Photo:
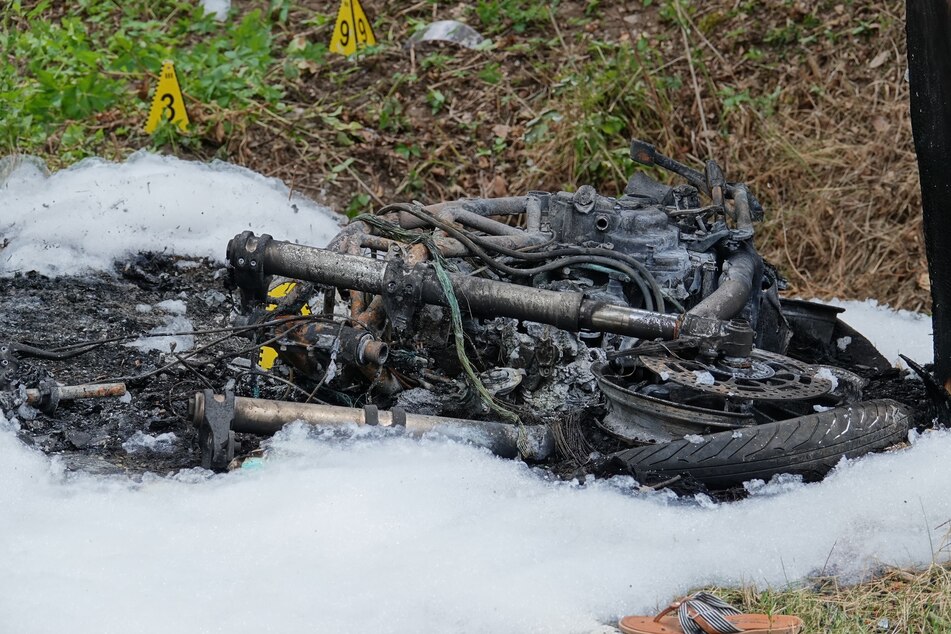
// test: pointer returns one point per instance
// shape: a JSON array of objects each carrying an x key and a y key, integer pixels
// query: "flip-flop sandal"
[{"x": 705, "y": 613}]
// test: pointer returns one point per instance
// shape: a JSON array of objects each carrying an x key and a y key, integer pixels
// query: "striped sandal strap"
[{"x": 703, "y": 613}]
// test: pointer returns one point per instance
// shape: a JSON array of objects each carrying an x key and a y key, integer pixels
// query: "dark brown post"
[{"x": 928, "y": 30}]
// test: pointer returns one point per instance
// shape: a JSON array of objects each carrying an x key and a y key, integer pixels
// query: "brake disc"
[{"x": 766, "y": 376}]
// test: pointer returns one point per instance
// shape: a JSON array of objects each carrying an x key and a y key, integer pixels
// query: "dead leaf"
[
  {"x": 497, "y": 187},
  {"x": 924, "y": 281},
  {"x": 501, "y": 130},
  {"x": 880, "y": 124},
  {"x": 879, "y": 59}
]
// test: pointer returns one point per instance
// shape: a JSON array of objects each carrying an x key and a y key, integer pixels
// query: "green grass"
[{"x": 61, "y": 79}]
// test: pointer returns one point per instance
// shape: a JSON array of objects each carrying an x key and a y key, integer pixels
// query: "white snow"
[
  {"x": 368, "y": 532},
  {"x": 172, "y": 331},
  {"x": 219, "y": 8},
  {"x": 904, "y": 332},
  {"x": 333, "y": 534},
  {"x": 843, "y": 343},
  {"x": 140, "y": 442},
  {"x": 173, "y": 306},
  {"x": 826, "y": 373},
  {"x": 704, "y": 377},
  {"x": 88, "y": 215}
]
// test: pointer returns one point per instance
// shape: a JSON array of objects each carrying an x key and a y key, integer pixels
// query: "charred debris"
[{"x": 639, "y": 335}]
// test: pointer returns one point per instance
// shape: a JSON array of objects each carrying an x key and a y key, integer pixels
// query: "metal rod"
[
  {"x": 218, "y": 416},
  {"x": 476, "y": 295},
  {"x": 48, "y": 395}
]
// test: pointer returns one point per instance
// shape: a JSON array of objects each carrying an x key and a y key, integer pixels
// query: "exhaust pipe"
[{"x": 219, "y": 416}]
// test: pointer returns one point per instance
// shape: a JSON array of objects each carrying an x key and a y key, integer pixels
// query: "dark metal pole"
[{"x": 928, "y": 30}]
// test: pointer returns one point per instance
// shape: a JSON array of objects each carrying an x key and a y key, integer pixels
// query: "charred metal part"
[
  {"x": 213, "y": 415},
  {"x": 402, "y": 290},
  {"x": 533, "y": 211},
  {"x": 740, "y": 272},
  {"x": 762, "y": 375},
  {"x": 248, "y": 266},
  {"x": 521, "y": 317},
  {"x": 302, "y": 345},
  {"x": 485, "y": 297},
  {"x": 8, "y": 364},
  {"x": 648, "y": 417},
  {"x": 715, "y": 182},
  {"x": 219, "y": 416},
  {"x": 646, "y": 154},
  {"x": 480, "y": 296},
  {"x": 48, "y": 395},
  {"x": 743, "y": 215}
]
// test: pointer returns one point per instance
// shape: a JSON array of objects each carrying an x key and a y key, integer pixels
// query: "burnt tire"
[{"x": 808, "y": 445}]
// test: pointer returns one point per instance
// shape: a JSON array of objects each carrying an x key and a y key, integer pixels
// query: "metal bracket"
[
  {"x": 246, "y": 266},
  {"x": 402, "y": 292},
  {"x": 584, "y": 199},
  {"x": 49, "y": 396},
  {"x": 8, "y": 364},
  {"x": 213, "y": 414}
]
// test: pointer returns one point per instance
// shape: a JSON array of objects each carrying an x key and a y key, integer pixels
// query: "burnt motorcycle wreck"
[{"x": 642, "y": 335}]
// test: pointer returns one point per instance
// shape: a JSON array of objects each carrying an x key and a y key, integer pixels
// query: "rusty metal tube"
[
  {"x": 736, "y": 284},
  {"x": 48, "y": 396},
  {"x": 266, "y": 417},
  {"x": 476, "y": 295},
  {"x": 623, "y": 320}
]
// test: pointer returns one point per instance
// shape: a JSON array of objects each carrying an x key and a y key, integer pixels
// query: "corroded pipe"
[
  {"x": 219, "y": 416},
  {"x": 476, "y": 295},
  {"x": 49, "y": 394}
]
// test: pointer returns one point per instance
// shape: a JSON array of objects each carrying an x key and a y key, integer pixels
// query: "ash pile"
[{"x": 639, "y": 335}]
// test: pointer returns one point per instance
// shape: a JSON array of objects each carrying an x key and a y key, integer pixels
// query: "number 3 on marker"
[
  {"x": 168, "y": 103},
  {"x": 169, "y": 106}
]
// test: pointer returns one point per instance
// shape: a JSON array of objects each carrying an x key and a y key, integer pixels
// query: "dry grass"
[
  {"x": 823, "y": 138},
  {"x": 896, "y": 602}
]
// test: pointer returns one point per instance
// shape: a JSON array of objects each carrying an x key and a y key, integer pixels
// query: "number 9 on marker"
[{"x": 352, "y": 30}]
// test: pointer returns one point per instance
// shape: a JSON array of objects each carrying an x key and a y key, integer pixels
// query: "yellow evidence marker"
[
  {"x": 167, "y": 102},
  {"x": 268, "y": 354},
  {"x": 352, "y": 30}
]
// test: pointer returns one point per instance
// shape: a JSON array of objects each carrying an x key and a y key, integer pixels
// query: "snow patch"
[
  {"x": 704, "y": 377},
  {"x": 842, "y": 343},
  {"x": 219, "y": 8},
  {"x": 329, "y": 526},
  {"x": 141, "y": 442},
  {"x": 173, "y": 306},
  {"x": 880, "y": 323},
  {"x": 826, "y": 373},
  {"x": 169, "y": 335},
  {"x": 94, "y": 212}
]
